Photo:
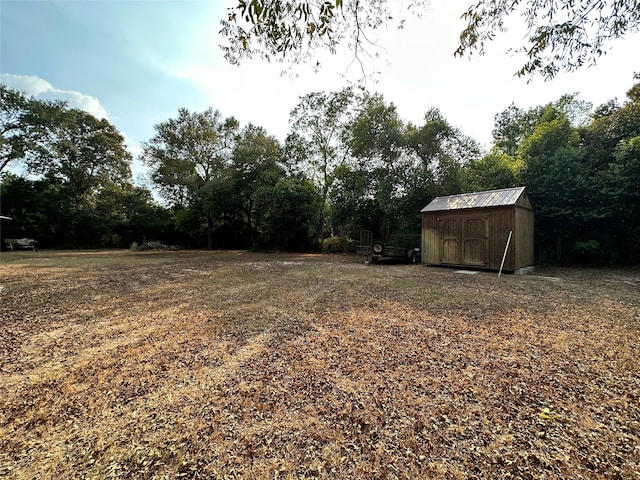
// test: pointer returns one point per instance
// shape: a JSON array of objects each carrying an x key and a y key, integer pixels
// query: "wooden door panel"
[
  {"x": 451, "y": 241},
  {"x": 475, "y": 242}
]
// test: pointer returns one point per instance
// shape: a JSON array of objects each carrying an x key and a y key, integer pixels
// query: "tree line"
[{"x": 349, "y": 162}]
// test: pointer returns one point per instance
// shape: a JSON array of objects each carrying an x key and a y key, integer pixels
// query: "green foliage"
[
  {"x": 78, "y": 192},
  {"x": 582, "y": 177},
  {"x": 128, "y": 214},
  {"x": 51, "y": 213},
  {"x": 493, "y": 171},
  {"x": 377, "y": 134},
  {"x": 563, "y": 34},
  {"x": 397, "y": 168},
  {"x": 88, "y": 154},
  {"x": 188, "y": 151},
  {"x": 556, "y": 180},
  {"x": 252, "y": 176},
  {"x": 294, "y": 30},
  {"x": 229, "y": 188},
  {"x": 39, "y": 210},
  {"x": 317, "y": 145},
  {"x": 353, "y": 204},
  {"x": 288, "y": 220},
  {"x": 512, "y": 126},
  {"x": 185, "y": 155},
  {"x": 382, "y": 163},
  {"x": 612, "y": 146},
  {"x": 26, "y": 127},
  {"x": 338, "y": 245},
  {"x": 350, "y": 163},
  {"x": 65, "y": 145}
]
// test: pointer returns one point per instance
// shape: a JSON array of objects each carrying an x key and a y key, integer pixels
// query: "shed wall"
[
  {"x": 524, "y": 232},
  {"x": 502, "y": 222},
  {"x": 440, "y": 228}
]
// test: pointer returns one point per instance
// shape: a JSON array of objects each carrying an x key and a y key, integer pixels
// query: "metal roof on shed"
[{"x": 492, "y": 198}]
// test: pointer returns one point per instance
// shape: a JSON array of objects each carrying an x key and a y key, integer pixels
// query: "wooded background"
[{"x": 348, "y": 162}]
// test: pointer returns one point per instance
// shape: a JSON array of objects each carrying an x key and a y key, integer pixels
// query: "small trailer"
[
  {"x": 399, "y": 246},
  {"x": 20, "y": 243}
]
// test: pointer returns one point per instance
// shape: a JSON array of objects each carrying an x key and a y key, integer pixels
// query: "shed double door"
[{"x": 465, "y": 241}]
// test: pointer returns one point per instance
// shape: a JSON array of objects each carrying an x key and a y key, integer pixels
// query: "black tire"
[
  {"x": 377, "y": 247},
  {"x": 413, "y": 258}
]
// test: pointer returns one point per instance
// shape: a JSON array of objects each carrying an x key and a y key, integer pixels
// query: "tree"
[
  {"x": 25, "y": 127},
  {"x": 253, "y": 174},
  {"x": 125, "y": 214},
  {"x": 556, "y": 178},
  {"x": 394, "y": 168},
  {"x": 562, "y": 34},
  {"x": 50, "y": 212},
  {"x": 378, "y": 141},
  {"x": 353, "y": 202},
  {"x": 288, "y": 214},
  {"x": 398, "y": 167},
  {"x": 316, "y": 142},
  {"x": 511, "y": 127},
  {"x": 443, "y": 151},
  {"x": 186, "y": 154},
  {"x": 377, "y": 134},
  {"x": 612, "y": 156},
  {"x": 54, "y": 141},
  {"x": 39, "y": 209},
  {"x": 84, "y": 153},
  {"x": 493, "y": 171},
  {"x": 72, "y": 158}
]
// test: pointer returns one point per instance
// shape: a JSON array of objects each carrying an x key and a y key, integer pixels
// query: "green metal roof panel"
[{"x": 492, "y": 198}]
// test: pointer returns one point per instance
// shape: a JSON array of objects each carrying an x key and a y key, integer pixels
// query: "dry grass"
[{"x": 239, "y": 365}]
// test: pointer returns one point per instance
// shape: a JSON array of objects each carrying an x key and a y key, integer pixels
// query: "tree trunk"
[
  {"x": 248, "y": 213},
  {"x": 209, "y": 233}
]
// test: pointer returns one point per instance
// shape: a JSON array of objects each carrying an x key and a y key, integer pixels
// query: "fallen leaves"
[{"x": 219, "y": 365}]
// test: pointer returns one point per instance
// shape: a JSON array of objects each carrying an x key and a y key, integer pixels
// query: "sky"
[{"x": 136, "y": 62}]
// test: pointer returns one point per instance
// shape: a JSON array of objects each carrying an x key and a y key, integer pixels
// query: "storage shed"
[{"x": 471, "y": 230}]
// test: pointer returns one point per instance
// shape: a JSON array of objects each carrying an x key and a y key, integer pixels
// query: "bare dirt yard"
[{"x": 242, "y": 365}]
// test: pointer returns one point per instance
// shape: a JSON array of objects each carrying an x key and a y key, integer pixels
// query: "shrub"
[
  {"x": 152, "y": 245},
  {"x": 338, "y": 245}
]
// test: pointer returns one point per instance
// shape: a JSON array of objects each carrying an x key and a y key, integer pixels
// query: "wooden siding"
[
  {"x": 502, "y": 222},
  {"x": 474, "y": 241},
  {"x": 477, "y": 237},
  {"x": 524, "y": 234}
]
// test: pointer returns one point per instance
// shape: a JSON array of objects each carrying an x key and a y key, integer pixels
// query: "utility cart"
[
  {"x": 20, "y": 243},
  {"x": 399, "y": 246}
]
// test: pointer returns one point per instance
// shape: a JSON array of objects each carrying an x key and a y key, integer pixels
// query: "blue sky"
[
  {"x": 136, "y": 62},
  {"x": 117, "y": 54}
]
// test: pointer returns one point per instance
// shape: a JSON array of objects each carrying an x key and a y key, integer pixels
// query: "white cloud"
[
  {"x": 29, "y": 84},
  {"x": 40, "y": 88}
]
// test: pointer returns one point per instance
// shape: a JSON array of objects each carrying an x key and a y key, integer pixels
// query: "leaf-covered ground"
[{"x": 240, "y": 365}]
